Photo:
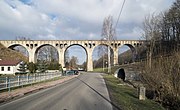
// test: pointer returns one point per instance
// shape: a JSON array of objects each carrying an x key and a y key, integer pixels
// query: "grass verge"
[
  {"x": 100, "y": 70},
  {"x": 126, "y": 97}
]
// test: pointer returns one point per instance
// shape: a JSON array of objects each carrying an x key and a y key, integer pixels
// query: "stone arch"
[
  {"x": 15, "y": 45},
  {"x": 111, "y": 49},
  {"x": 39, "y": 47},
  {"x": 77, "y": 45},
  {"x": 85, "y": 49},
  {"x": 132, "y": 48}
]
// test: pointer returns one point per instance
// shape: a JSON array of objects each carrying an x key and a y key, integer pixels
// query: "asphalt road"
[{"x": 86, "y": 92}]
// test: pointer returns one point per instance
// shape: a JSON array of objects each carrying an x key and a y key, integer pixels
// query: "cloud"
[
  {"x": 73, "y": 19},
  {"x": 18, "y": 19}
]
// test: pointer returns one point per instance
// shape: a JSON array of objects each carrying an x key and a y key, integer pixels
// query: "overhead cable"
[{"x": 120, "y": 14}]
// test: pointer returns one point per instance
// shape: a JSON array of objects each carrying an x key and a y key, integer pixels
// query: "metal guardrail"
[{"x": 8, "y": 83}]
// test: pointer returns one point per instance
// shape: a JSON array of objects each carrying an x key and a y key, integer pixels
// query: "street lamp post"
[
  {"x": 109, "y": 60},
  {"x": 103, "y": 61}
]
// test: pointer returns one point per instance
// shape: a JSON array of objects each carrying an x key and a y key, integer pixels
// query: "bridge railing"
[{"x": 22, "y": 80}]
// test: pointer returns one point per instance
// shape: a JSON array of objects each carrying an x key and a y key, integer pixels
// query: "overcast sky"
[{"x": 73, "y": 19}]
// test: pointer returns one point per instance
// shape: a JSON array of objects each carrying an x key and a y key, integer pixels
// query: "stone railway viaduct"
[{"x": 32, "y": 46}]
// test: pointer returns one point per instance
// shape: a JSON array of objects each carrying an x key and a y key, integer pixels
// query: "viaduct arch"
[
  {"x": 32, "y": 47},
  {"x": 79, "y": 46},
  {"x": 37, "y": 50}
]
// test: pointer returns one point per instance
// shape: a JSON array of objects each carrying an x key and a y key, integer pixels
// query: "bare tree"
[
  {"x": 48, "y": 54},
  {"x": 151, "y": 34},
  {"x": 22, "y": 38},
  {"x": 108, "y": 34},
  {"x": 162, "y": 72},
  {"x": 73, "y": 62}
]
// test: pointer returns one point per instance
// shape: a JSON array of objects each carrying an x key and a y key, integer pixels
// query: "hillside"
[
  {"x": 125, "y": 57},
  {"x": 6, "y": 53}
]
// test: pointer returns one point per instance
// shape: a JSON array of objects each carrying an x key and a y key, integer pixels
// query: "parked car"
[
  {"x": 76, "y": 72},
  {"x": 72, "y": 72}
]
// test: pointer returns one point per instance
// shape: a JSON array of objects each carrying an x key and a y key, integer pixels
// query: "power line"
[{"x": 120, "y": 14}]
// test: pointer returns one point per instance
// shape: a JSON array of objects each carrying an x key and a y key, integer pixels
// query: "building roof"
[{"x": 9, "y": 62}]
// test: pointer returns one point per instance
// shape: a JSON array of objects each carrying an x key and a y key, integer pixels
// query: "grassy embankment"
[{"x": 126, "y": 97}]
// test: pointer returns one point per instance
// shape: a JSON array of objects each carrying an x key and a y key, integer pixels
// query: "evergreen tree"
[
  {"x": 42, "y": 66},
  {"x": 32, "y": 67},
  {"x": 22, "y": 68}
]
